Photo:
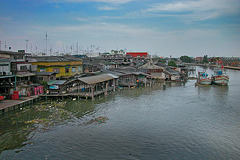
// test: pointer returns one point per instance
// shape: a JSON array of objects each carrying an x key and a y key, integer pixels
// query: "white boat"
[
  {"x": 203, "y": 79},
  {"x": 219, "y": 77}
]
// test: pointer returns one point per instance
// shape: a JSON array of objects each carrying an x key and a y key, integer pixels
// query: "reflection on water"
[{"x": 178, "y": 121}]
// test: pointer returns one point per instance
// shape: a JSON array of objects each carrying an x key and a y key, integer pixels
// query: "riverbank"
[
  {"x": 210, "y": 65},
  {"x": 10, "y": 105}
]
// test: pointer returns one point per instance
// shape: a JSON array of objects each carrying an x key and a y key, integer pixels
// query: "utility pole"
[
  {"x": 26, "y": 44},
  {"x": 36, "y": 49},
  {"x": 50, "y": 50},
  {"x": 77, "y": 48},
  {"x": 46, "y": 38}
]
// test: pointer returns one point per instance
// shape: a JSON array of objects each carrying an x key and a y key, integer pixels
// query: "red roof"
[{"x": 138, "y": 54}]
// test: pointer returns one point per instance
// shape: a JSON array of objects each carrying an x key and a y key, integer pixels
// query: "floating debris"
[{"x": 98, "y": 120}]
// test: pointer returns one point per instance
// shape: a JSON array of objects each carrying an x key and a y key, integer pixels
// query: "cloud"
[
  {"x": 81, "y": 19},
  {"x": 200, "y": 9},
  {"x": 5, "y": 18},
  {"x": 105, "y": 29},
  {"x": 107, "y": 8},
  {"x": 101, "y": 1}
]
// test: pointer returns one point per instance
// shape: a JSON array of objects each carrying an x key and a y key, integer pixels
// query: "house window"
[
  {"x": 23, "y": 68},
  {"x": 56, "y": 70},
  {"x": 40, "y": 78},
  {"x": 42, "y": 69},
  {"x": 51, "y": 78},
  {"x": 73, "y": 69},
  {"x": 79, "y": 69},
  {"x": 67, "y": 70}
]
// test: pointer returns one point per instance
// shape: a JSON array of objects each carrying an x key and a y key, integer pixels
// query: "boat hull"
[
  {"x": 220, "y": 80},
  {"x": 205, "y": 81}
]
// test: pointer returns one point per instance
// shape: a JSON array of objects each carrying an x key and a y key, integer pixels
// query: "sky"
[{"x": 160, "y": 27}]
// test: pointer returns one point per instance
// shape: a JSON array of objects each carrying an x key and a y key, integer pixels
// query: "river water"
[{"x": 181, "y": 121}]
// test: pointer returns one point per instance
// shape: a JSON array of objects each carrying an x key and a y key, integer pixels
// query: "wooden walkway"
[
  {"x": 85, "y": 95},
  {"x": 9, "y": 105}
]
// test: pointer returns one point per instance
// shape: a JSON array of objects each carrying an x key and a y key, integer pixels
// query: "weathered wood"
[
  {"x": 106, "y": 89},
  {"x": 114, "y": 87}
]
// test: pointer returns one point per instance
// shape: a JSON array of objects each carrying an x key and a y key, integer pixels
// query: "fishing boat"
[
  {"x": 203, "y": 79},
  {"x": 219, "y": 77}
]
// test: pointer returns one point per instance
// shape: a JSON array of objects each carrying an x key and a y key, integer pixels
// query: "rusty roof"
[{"x": 97, "y": 79}]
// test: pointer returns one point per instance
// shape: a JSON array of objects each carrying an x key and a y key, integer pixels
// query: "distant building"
[
  {"x": 137, "y": 54},
  {"x": 155, "y": 71},
  {"x": 12, "y": 55},
  {"x": 5, "y": 67},
  {"x": 198, "y": 59},
  {"x": 64, "y": 66},
  {"x": 45, "y": 76}
]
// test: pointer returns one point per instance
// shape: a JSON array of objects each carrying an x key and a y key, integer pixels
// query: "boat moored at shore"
[
  {"x": 203, "y": 79},
  {"x": 219, "y": 77}
]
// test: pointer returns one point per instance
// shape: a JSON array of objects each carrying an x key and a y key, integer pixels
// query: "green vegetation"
[
  {"x": 205, "y": 59},
  {"x": 45, "y": 85},
  {"x": 172, "y": 63},
  {"x": 162, "y": 60},
  {"x": 186, "y": 59}
]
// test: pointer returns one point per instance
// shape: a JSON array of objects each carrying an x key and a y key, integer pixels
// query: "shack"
[
  {"x": 172, "y": 75},
  {"x": 95, "y": 85},
  {"x": 155, "y": 71},
  {"x": 45, "y": 76},
  {"x": 57, "y": 86}
]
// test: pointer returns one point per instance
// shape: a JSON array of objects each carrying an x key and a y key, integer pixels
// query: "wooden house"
[
  {"x": 95, "y": 85},
  {"x": 57, "y": 86},
  {"x": 155, "y": 71},
  {"x": 45, "y": 76},
  {"x": 64, "y": 66}
]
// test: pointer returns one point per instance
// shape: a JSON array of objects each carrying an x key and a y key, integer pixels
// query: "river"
[{"x": 181, "y": 121}]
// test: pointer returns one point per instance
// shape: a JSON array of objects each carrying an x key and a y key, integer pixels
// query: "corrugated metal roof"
[
  {"x": 45, "y": 73},
  {"x": 113, "y": 72},
  {"x": 114, "y": 76},
  {"x": 97, "y": 79},
  {"x": 5, "y": 60},
  {"x": 10, "y": 76},
  {"x": 56, "y": 58},
  {"x": 141, "y": 73},
  {"x": 25, "y": 74}
]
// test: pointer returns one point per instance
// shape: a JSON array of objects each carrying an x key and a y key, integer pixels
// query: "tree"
[
  {"x": 205, "y": 59},
  {"x": 162, "y": 60},
  {"x": 45, "y": 85},
  {"x": 186, "y": 59},
  {"x": 172, "y": 63}
]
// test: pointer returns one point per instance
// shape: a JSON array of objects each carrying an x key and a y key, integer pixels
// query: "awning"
[
  {"x": 56, "y": 82},
  {"x": 97, "y": 79},
  {"x": 10, "y": 76},
  {"x": 26, "y": 75}
]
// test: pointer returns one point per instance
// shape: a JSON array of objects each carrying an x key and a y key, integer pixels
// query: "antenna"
[
  {"x": 77, "y": 48},
  {"x": 36, "y": 49},
  {"x": 0, "y": 45},
  {"x": 46, "y": 38},
  {"x": 26, "y": 44},
  {"x": 50, "y": 50}
]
